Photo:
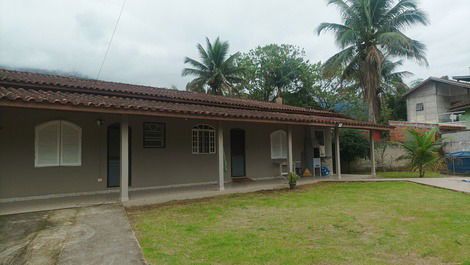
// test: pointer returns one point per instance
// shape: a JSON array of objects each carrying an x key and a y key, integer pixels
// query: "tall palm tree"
[
  {"x": 371, "y": 29},
  {"x": 214, "y": 70}
]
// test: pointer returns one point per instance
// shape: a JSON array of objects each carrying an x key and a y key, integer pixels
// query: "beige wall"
[{"x": 172, "y": 165}]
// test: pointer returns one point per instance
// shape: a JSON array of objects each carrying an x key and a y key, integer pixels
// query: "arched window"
[
  {"x": 58, "y": 143},
  {"x": 279, "y": 145},
  {"x": 203, "y": 137}
]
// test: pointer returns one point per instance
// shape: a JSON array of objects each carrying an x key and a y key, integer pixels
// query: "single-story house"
[{"x": 62, "y": 136}]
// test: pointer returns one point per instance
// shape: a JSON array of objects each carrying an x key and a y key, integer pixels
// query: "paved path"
[
  {"x": 455, "y": 184},
  {"x": 451, "y": 183},
  {"x": 99, "y": 235}
]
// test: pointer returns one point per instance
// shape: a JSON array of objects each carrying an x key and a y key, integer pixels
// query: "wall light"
[{"x": 99, "y": 122}]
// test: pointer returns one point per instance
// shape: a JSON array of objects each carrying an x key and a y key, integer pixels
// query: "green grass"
[
  {"x": 343, "y": 223},
  {"x": 409, "y": 175}
]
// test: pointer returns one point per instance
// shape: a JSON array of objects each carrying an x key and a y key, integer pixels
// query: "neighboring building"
[
  {"x": 431, "y": 101},
  {"x": 62, "y": 136}
]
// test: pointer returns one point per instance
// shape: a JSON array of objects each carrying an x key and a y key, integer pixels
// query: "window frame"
[
  {"x": 282, "y": 143},
  {"x": 196, "y": 134},
  {"x": 419, "y": 106},
  {"x": 60, "y": 144},
  {"x": 163, "y": 126}
]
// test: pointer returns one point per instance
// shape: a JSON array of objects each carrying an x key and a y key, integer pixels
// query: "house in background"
[
  {"x": 432, "y": 101},
  {"x": 62, "y": 136},
  {"x": 439, "y": 102}
]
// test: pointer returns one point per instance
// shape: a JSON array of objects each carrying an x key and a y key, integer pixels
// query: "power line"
[{"x": 111, "y": 40}]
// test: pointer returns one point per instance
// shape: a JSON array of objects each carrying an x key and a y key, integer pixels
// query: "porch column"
[
  {"x": 338, "y": 156},
  {"x": 220, "y": 145},
  {"x": 372, "y": 153},
  {"x": 289, "y": 148},
  {"x": 124, "y": 158}
]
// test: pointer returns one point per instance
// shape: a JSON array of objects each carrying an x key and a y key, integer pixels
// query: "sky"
[{"x": 154, "y": 36}]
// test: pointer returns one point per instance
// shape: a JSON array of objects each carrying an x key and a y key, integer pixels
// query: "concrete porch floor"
[{"x": 155, "y": 196}]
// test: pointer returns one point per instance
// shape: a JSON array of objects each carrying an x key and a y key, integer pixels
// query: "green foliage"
[
  {"x": 279, "y": 69},
  {"x": 216, "y": 73},
  {"x": 353, "y": 145},
  {"x": 293, "y": 177},
  {"x": 422, "y": 149},
  {"x": 371, "y": 31}
]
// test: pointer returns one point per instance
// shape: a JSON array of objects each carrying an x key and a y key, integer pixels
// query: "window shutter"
[
  {"x": 279, "y": 145},
  {"x": 47, "y": 144},
  {"x": 70, "y": 153}
]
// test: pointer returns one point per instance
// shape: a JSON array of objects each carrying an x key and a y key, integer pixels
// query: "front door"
[
  {"x": 114, "y": 155},
  {"x": 237, "y": 148}
]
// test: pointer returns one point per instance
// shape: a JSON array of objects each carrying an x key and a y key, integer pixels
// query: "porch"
[{"x": 141, "y": 197}]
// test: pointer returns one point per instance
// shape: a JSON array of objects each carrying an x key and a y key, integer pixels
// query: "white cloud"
[{"x": 153, "y": 37}]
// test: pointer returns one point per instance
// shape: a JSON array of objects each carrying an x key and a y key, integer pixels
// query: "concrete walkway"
[
  {"x": 98, "y": 235},
  {"x": 457, "y": 184}
]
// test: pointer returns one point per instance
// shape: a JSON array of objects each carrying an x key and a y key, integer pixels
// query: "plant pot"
[{"x": 292, "y": 186}]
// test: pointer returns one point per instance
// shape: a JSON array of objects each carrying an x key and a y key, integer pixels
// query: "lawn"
[
  {"x": 344, "y": 223},
  {"x": 409, "y": 175}
]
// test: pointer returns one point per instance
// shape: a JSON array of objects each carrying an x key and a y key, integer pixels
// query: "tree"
[
  {"x": 353, "y": 145},
  {"x": 422, "y": 149},
  {"x": 215, "y": 70},
  {"x": 371, "y": 29},
  {"x": 392, "y": 89},
  {"x": 278, "y": 70}
]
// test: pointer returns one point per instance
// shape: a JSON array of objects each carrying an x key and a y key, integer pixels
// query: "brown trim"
[{"x": 182, "y": 116}]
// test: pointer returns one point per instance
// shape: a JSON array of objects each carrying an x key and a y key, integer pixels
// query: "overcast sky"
[{"x": 154, "y": 36}]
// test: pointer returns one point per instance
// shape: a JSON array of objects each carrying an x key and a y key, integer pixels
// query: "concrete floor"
[
  {"x": 90, "y": 235},
  {"x": 148, "y": 197}
]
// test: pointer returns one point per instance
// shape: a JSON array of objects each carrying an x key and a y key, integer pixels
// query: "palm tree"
[
  {"x": 371, "y": 29},
  {"x": 215, "y": 70},
  {"x": 422, "y": 149}
]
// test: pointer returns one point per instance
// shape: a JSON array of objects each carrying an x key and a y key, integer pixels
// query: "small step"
[{"x": 242, "y": 180}]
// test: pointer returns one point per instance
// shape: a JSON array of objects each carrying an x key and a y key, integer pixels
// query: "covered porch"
[{"x": 158, "y": 196}]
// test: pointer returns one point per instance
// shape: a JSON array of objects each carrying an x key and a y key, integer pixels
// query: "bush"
[{"x": 353, "y": 145}]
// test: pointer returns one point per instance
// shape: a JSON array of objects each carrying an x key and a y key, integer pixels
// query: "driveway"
[
  {"x": 91, "y": 235},
  {"x": 455, "y": 184}
]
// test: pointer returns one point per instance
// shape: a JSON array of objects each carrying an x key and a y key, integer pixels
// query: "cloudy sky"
[{"x": 154, "y": 36}]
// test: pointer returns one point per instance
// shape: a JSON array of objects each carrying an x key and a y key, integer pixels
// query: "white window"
[
  {"x": 58, "y": 143},
  {"x": 203, "y": 139},
  {"x": 279, "y": 145}
]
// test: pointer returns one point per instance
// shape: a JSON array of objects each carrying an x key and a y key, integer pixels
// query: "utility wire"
[{"x": 111, "y": 40}]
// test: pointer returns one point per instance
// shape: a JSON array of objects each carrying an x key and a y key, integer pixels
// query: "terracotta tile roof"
[
  {"x": 48, "y": 93},
  {"x": 43, "y": 80}
]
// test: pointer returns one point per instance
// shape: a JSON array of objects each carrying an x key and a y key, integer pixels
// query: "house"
[
  {"x": 431, "y": 101},
  {"x": 61, "y": 136}
]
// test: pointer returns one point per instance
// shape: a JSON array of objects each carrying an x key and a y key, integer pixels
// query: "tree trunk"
[{"x": 370, "y": 75}]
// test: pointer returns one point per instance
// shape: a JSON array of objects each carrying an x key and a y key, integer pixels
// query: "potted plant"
[{"x": 293, "y": 177}]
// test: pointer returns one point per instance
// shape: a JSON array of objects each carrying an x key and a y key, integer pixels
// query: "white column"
[
  {"x": 289, "y": 148},
  {"x": 220, "y": 146},
  {"x": 372, "y": 153},
  {"x": 124, "y": 158},
  {"x": 338, "y": 155}
]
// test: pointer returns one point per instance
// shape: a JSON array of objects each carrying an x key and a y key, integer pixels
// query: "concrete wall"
[
  {"x": 172, "y": 165},
  {"x": 457, "y": 142},
  {"x": 427, "y": 96},
  {"x": 386, "y": 160}
]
